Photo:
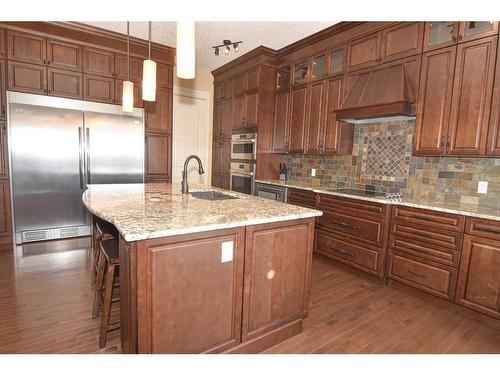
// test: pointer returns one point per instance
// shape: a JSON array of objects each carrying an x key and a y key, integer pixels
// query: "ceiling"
[{"x": 253, "y": 34}]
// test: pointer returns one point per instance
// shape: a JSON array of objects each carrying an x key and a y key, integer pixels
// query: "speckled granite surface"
[
  {"x": 142, "y": 211},
  {"x": 454, "y": 208}
]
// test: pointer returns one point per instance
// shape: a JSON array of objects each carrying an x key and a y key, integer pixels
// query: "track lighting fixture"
[{"x": 226, "y": 44}]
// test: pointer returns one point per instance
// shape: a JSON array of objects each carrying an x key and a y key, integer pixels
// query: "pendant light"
[
  {"x": 185, "y": 50},
  {"x": 128, "y": 86},
  {"x": 149, "y": 75}
]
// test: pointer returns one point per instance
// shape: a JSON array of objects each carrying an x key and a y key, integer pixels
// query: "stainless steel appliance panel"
[
  {"x": 46, "y": 158},
  {"x": 244, "y": 146},
  {"x": 273, "y": 192},
  {"x": 242, "y": 177},
  {"x": 114, "y": 148}
]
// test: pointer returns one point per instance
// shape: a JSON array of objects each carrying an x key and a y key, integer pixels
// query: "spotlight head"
[
  {"x": 227, "y": 50},
  {"x": 216, "y": 51},
  {"x": 236, "y": 47}
]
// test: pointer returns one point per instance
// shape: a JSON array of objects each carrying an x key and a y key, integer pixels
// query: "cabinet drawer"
[
  {"x": 424, "y": 250},
  {"x": 447, "y": 239},
  {"x": 435, "y": 219},
  {"x": 354, "y": 227},
  {"x": 354, "y": 206},
  {"x": 428, "y": 276},
  {"x": 302, "y": 198},
  {"x": 363, "y": 258},
  {"x": 483, "y": 227}
]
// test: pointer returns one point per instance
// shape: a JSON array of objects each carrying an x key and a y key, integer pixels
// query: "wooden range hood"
[{"x": 383, "y": 92}]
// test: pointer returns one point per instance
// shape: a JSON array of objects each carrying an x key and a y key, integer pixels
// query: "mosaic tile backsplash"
[{"x": 382, "y": 158}]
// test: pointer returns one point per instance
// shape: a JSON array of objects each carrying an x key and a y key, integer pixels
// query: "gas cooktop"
[{"x": 366, "y": 193}]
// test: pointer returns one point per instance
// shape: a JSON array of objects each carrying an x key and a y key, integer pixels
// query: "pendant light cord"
[
  {"x": 149, "y": 45},
  {"x": 128, "y": 51}
]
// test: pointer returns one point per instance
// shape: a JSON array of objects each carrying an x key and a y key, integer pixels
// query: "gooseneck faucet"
[{"x": 185, "y": 186}]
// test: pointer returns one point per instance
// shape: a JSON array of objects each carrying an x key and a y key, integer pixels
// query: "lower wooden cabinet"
[
  {"x": 302, "y": 198},
  {"x": 479, "y": 278},
  {"x": 158, "y": 157},
  {"x": 5, "y": 216}
]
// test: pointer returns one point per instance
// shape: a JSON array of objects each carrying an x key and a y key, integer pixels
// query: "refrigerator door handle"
[
  {"x": 87, "y": 147},
  {"x": 80, "y": 155}
]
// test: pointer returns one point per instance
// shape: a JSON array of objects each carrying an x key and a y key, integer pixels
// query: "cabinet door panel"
[
  {"x": 2, "y": 43},
  {"x": 64, "y": 83},
  {"x": 478, "y": 278},
  {"x": 219, "y": 92},
  {"x": 240, "y": 84},
  {"x": 28, "y": 48},
  {"x": 158, "y": 156},
  {"x": 401, "y": 41},
  {"x": 364, "y": 52},
  {"x": 217, "y": 130},
  {"x": 471, "y": 30},
  {"x": 315, "y": 117},
  {"x": 440, "y": 34},
  {"x": 97, "y": 61},
  {"x": 253, "y": 79},
  {"x": 493, "y": 141},
  {"x": 98, "y": 89},
  {"x": 137, "y": 93},
  {"x": 135, "y": 68},
  {"x": 27, "y": 78},
  {"x": 3, "y": 99},
  {"x": 5, "y": 217},
  {"x": 239, "y": 119},
  {"x": 159, "y": 112},
  {"x": 64, "y": 55},
  {"x": 277, "y": 262},
  {"x": 227, "y": 118},
  {"x": 251, "y": 108},
  {"x": 434, "y": 99},
  {"x": 280, "y": 129},
  {"x": 298, "y": 119},
  {"x": 331, "y": 132},
  {"x": 228, "y": 89},
  {"x": 164, "y": 75},
  {"x": 471, "y": 102}
]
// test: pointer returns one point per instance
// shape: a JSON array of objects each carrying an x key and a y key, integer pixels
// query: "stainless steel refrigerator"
[{"x": 57, "y": 147}]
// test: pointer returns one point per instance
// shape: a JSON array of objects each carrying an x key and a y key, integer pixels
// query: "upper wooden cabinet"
[
  {"x": 64, "y": 55},
  {"x": 471, "y": 99},
  {"x": 159, "y": 112},
  {"x": 227, "y": 118},
  {"x": 240, "y": 84},
  {"x": 298, "y": 118},
  {"x": 64, "y": 83},
  {"x": 471, "y": 30},
  {"x": 26, "y": 47},
  {"x": 135, "y": 68},
  {"x": 493, "y": 142},
  {"x": 2, "y": 43},
  {"x": 283, "y": 78},
  {"x": 337, "y": 60},
  {"x": 3, "y": 99},
  {"x": 315, "y": 117},
  {"x": 253, "y": 79},
  {"x": 281, "y": 116},
  {"x": 439, "y": 34},
  {"x": 364, "y": 52},
  {"x": 98, "y": 89},
  {"x": 301, "y": 72},
  {"x": 99, "y": 62},
  {"x": 24, "y": 77},
  {"x": 402, "y": 40},
  {"x": 164, "y": 75}
]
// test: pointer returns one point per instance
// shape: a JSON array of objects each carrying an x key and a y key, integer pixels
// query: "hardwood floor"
[{"x": 45, "y": 307}]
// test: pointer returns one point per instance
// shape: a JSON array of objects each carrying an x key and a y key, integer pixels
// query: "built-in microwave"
[
  {"x": 276, "y": 193},
  {"x": 242, "y": 177},
  {"x": 244, "y": 146}
]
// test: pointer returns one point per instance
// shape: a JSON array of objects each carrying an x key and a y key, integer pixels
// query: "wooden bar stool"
[
  {"x": 107, "y": 282},
  {"x": 102, "y": 231}
]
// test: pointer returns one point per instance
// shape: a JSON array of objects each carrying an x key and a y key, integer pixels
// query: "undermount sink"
[{"x": 211, "y": 195}]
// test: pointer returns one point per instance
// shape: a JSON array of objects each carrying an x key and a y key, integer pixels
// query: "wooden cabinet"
[
  {"x": 364, "y": 52},
  {"x": 5, "y": 217},
  {"x": 164, "y": 75},
  {"x": 302, "y": 198},
  {"x": 28, "y": 48},
  {"x": 135, "y": 69},
  {"x": 298, "y": 118},
  {"x": 493, "y": 141},
  {"x": 27, "y": 77},
  {"x": 315, "y": 117},
  {"x": 98, "y": 89},
  {"x": 2, "y": 43},
  {"x": 64, "y": 83},
  {"x": 277, "y": 275},
  {"x": 64, "y": 55},
  {"x": 471, "y": 100},
  {"x": 4, "y": 154},
  {"x": 471, "y": 30},
  {"x": 158, "y": 157},
  {"x": 3, "y": 99},
  {"x": 253, "y": 80},
  {"x": 281, "y": 123},
  {"x": 251, "y": 109},
  {"x": 239, "y": 117},
  {"x": 240, "y": 84},
  {"x": 401, "y": 41},
  {"x": 478, "y": 280},
  {"x": 98, "y": 62},
  {"x": 159, "y": 112},
  {"x": 434, "y": 101},
  {"x": 219, "y": 92},
  {"x": 440, "y": 34},
  {"x": 227, "y": 117}
]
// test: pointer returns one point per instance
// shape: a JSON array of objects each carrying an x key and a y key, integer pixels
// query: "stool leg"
[
  {"x": 106, "y": 308},
  {"x": 98, "y": 286}
]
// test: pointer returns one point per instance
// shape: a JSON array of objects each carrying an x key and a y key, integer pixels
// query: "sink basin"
[{"x": 211, "y": 195}]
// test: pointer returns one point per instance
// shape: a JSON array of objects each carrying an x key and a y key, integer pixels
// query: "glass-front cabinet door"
[
  {"x": 301, "y": 72},
  {"x": 283, "y": 78},
  {"x": 318, "y": 67},
  {"x": 440, "y": 34},
  {"x": 477, "y": 29},
  {"x": 337, "y": 61}
]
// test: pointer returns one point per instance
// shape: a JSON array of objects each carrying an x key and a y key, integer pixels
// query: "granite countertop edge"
[{"x": 495, "y": 215}]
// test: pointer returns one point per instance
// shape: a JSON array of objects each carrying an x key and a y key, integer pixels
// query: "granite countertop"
[
  {"x": 454, "y": 208},
  {"x": 152, "y": 210}
]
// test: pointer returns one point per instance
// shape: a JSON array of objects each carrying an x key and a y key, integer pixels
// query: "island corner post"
[{"x": 182, "y": 294}]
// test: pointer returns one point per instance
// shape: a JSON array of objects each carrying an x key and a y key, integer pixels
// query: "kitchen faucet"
[{"x": 185, "y": 186}]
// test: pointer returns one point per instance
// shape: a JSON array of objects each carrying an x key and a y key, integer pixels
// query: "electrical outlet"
[
  {"x": 313, "y": 172},
  {"x": 482, "y": 187}
]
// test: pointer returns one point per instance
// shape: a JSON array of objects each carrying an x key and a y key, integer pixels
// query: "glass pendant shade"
[
  {"x": 185, "y": 50},
  {"x": 128, "y": 96},
  {"x": 149, "y": 80}
]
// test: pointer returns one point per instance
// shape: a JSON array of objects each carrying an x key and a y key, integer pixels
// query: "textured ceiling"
[{"x": 253, "y": 34}]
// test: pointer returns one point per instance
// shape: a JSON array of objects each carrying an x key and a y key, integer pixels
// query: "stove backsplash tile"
[{"x": 382, "y": 157}]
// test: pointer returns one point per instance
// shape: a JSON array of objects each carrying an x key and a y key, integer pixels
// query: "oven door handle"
[{"x": 240, "y": 174}]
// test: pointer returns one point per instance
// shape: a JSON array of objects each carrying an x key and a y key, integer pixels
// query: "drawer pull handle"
[
  {"x": 487, "y": 229},
  {"x": 418, "y": 217},
  {"x": 422, "y": 234},
  {"x": 344, "y": 225},
  {"x": 417, "y": 274},
  {"x": 342, "y": 251}
]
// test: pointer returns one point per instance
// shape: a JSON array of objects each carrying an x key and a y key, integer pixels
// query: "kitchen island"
[{"x": 198, "y": 275}]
